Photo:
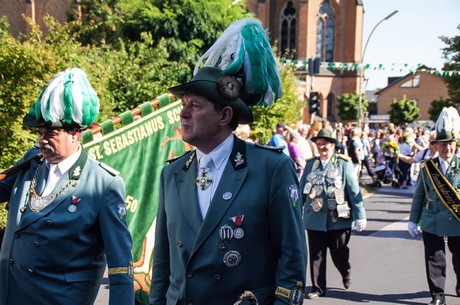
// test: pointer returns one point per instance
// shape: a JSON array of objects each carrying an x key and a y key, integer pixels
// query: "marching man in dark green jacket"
[
  {"x": 333, "y": 204},
  {"x": 436, "y": 205},
  {"x": 229, "y": 222}
]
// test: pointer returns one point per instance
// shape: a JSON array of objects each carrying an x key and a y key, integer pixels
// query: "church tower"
[{"x": 331, "y": 30}]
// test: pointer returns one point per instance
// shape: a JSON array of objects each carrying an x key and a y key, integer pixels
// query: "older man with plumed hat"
[{"x": 66, "y": 211}]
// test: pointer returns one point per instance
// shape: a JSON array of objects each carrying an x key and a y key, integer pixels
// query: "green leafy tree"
[
  {"x": 404, "y": 111},
  {"x": 452, "y": 55},
  {"x": 436, "y": 108},
  {"x": 185, "y": 28},
  {"x": 348, "y": 106}
]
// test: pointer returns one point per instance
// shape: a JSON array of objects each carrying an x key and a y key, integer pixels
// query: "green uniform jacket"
[
  {"x": 56, "y": 256},
  {"x": 190, "y": 256},
  {"x": 322, "y": 220},
  {"x": 434, "y": 216}
]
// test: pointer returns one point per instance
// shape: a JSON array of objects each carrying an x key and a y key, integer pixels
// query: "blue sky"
[{"x": 409, "y": 37}]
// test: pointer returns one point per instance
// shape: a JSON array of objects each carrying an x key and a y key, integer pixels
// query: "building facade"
[
  {"x": 330, "y": 30},
  {"x": 422, "y": 87}
]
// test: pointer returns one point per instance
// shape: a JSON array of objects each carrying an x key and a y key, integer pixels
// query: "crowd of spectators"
[{"x": 399, "y": 149}]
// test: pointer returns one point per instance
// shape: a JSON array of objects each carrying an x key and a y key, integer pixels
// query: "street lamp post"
[{"x": 361, "y": 68}]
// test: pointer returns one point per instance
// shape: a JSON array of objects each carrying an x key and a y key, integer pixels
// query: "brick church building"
[{"x": 331, "y": 30}]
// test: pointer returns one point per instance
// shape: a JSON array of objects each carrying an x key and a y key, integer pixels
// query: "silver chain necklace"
[{"x": 38, "y": 203}]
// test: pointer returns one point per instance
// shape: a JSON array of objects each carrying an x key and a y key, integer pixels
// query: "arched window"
[
  {"x": 325, "y": 32},
  {"x": 288, "y": 28}
]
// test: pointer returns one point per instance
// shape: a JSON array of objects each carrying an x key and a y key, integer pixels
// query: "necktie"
[
  {"x": 204, "y": 181},
  {"x": 53, "y": 179}
]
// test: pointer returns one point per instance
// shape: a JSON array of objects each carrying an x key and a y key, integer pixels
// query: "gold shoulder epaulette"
[{"x": 342, "y": 156}]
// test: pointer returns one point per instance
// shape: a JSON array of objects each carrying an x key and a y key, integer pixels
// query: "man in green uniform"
[
  {"x": 333, "y": 204},
  {"x": 66, "y": 211},
  {"x": 230, "y": 216},
  {"x": 436, "y": 205}
]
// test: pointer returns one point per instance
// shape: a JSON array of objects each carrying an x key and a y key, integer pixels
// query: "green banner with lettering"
[{"x": 139, "y": 151}]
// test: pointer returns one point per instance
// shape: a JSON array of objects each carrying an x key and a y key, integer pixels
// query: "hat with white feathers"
[
  {"x": 448, "y": 125},
  {"x": 68, "y": 101}
]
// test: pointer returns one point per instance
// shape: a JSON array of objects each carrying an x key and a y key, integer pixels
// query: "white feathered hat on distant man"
[{"x": 448, "y": 125}]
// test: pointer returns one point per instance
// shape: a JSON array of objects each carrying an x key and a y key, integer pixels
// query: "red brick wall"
[{"x": 432, "y": 87}]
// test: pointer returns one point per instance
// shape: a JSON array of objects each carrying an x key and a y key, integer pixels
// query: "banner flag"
[{"x": 139, "y": 151}]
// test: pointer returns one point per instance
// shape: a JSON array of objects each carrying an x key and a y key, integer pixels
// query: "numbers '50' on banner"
[{"x": 138, "y": 151}]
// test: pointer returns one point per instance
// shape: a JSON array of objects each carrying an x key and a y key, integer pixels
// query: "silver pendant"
[
  {"x": 307, "y": 188},
  {"x": 339, "y": 196},
  {"x": 343, "y": 211},
  {"x": 72, "y": 208},
  {"x": 39, "y": 203},
  {"x": 204, "y": 180}
]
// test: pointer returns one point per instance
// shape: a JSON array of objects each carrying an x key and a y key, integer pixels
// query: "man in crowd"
[
  {"x": 67, "y": 216},
  {"x": 435, "y": 206},
  {"x": 279, "y": 137}
]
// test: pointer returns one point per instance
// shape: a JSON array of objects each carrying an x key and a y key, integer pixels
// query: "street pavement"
[{"x": 387, "y": 263}]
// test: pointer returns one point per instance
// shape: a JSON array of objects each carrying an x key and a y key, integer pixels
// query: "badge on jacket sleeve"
[
  {"x": 121, "y": 210},
  {"x": 294, "y": 195}
]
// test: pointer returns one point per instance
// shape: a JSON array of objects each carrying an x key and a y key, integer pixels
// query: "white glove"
[
  {"x": 361, "y": 224},
  {"x": 412, "y": 228}
]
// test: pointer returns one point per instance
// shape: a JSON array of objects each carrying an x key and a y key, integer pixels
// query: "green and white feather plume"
[
  {"x": 68, "y": 98},
  {"x": 244, "y": 50}
]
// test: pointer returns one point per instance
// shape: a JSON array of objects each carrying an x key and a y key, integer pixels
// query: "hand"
[
  {"x": 412, "y": 228},
  {"x": 361, "y": 224}
]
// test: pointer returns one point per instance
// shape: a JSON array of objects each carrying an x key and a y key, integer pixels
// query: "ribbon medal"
[
  {"x": 238, "y": 233},
  {"x": 73, "y": 207}
]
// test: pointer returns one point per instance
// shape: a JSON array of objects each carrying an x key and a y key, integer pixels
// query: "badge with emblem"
[
  {"x": 232, "y": 259},
  {"x": 307, "y": 188},
  {"x": 331, "y": 204},
  {"x": 294, "y": 195},
  {"x": 296, "y": 296},
  {"x": 343, "y": 210},
  {"x": 339, "y": 196},
  {"x": 226, "y": 233},
  {"x": 121, "y": 210},
  {"x": 317, "y": 204},
  {"x": 238, "y": 159}
]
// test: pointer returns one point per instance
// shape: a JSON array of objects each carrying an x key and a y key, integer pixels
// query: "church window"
[
  {"x": 288, "y": 30},
  {"x": 325, "y": 32}
]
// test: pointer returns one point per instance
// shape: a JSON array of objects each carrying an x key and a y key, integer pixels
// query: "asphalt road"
[{"x": 387, "y": 263}]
